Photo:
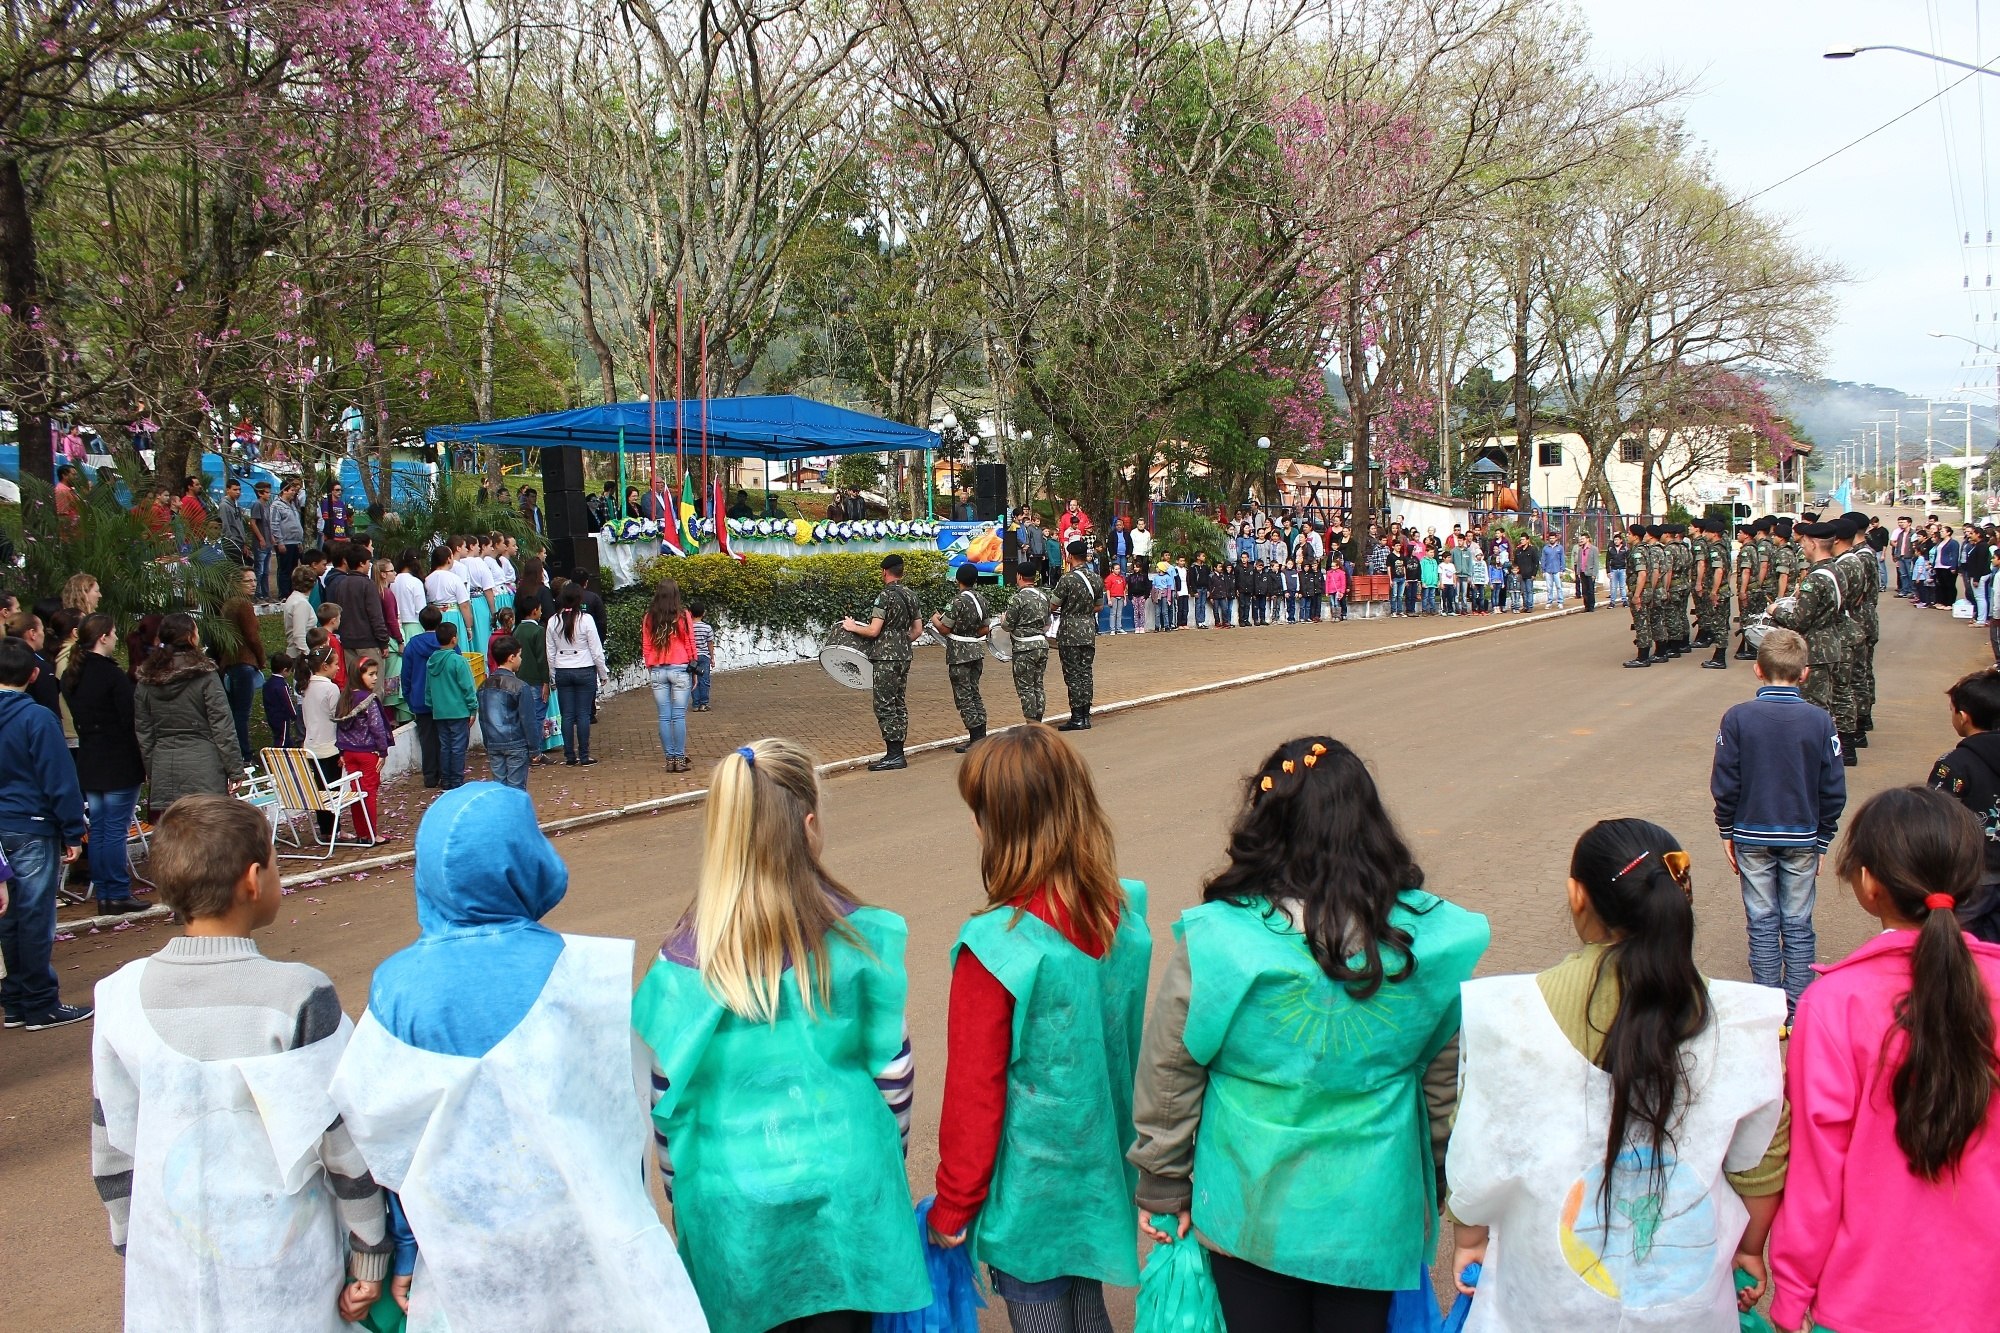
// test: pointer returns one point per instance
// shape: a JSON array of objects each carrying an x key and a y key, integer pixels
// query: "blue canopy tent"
[{"x": 777, "y": 428}]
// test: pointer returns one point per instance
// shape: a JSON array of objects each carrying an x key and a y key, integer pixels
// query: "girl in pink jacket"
[{"x": 1895, "y": 1170}]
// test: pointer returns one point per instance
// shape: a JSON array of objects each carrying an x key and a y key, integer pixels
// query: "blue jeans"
[
  {"x": 261, "y": 562},
  {"x": 239, "y": 686},
  {"x": 1778, "y": 896},
  {"x": 28, "y": 927},
  {"x": 1201, "y": 609},
  {"x": 671, "y": 687},
  {"x": 110, "y": 827},
  {"x": 1430, "y": 602},
  {"x": 703, "y": 669},
  {"x": 1617, "y": 586},
  {"x": 510, "y": 767},
  {"x": 1396, "y": 596},
  {"x": 1903, "y": 570},
  {"x": 1555, "y": 589},
  {"x": 576, "y": 692},
  {"x": 452, "y": 735}
]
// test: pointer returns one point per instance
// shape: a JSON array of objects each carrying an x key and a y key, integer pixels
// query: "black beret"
[
  {"x": 893, "y": 563},
  {"x": 1819, "y": 531}
]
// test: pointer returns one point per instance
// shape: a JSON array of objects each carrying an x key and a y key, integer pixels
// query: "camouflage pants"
[
  {"x": 965, "y": 691},
  {"x": 1079, "y": 669},
  {"x": 1864, "y": 687},
  {"x": 1642, "y": 623},
  {"x": 1846, "y": 716},
  {"x": 1030, "y": 665},
  {"x": 1715, "y": 617},
  {"x": 892, "y": 706},
  {"x": 1673, "y": 626},
  {"x": 1817, "y": 687}
]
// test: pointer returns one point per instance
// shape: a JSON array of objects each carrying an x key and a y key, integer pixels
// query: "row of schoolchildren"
[
  {"x": 1318, "y": 1076},
  {"x": 1176, "y": 594}
]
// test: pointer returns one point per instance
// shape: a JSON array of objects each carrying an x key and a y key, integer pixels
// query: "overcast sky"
[{"x": 1891, "y": 210}]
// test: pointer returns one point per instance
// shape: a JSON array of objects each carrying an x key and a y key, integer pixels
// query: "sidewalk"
[{"x": 803, "y": 702}]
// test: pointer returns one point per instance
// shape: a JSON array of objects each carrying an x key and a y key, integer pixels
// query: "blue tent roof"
[{"x": 773, "y": 426}]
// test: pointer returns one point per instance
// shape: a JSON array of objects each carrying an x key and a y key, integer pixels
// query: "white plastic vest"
[
  {"x": 522, "y": 1171},
  {"x": 233, "y": 1225},
  {"x": 1527, "y": 1159}
]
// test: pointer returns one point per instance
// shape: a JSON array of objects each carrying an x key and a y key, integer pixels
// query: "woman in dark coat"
[
  {"x": 186, "y": 734},
  {"x": 108, "y": 763}
]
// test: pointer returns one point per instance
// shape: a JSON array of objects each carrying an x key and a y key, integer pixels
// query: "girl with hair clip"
[
  {"x": 782, "y": 1074},
  {"x": 1299, "y": 1066},
  {"x": 1895, "y": 1172},
  {"x": 1048, "y": 994},
  {"x": 1656, "y": 1099}
]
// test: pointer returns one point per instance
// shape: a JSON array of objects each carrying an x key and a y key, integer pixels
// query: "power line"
[{"x": 1857, "y": 142}]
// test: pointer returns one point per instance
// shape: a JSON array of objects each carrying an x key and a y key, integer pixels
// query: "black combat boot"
[
  {"x": 1848, "y": 756},
  {"x": 1078, "y": 721},
  {"x": 978, "y": 735},
  {"x": 1716, "y": 663},
  {"x": 892, "y": 760},
  {"x": 1859, "y": 740},
  {"x": 1744, "y": 652},
  {"x": 1645, "y": 657}
]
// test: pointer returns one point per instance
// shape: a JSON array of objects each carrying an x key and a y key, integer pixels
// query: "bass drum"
[
  {"x": 999, "y": 643},
  {"x": 845, "y": 657},
  {"x": 1761, "y": 624}
]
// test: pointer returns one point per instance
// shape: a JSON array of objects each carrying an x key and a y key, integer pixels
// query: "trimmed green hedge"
[{"x": 803, "y": 594}]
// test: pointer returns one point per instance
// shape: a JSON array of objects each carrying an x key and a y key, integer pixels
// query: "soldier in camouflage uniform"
[
  {"x": 1659, "y": 587},
  {"x": 1703, "y": 585},
  {"x": 1758, "y": 576},
  {"x": 963, "y": 625},
  {"x": 1715, "y": 617},
  {"x": 1638, "y": 588},
  {"x": 1741, "y": 579},
  {"x": 893, "y": 622},
  {"x": 1860, "y": 577},
  {"x": 1078, "y": 594},
  {"x": 1789, "y": 560},
  {"x": 1815, "y": 612},
  {"x": 1874, "y": 541},
  {"x": 1680, "y": 583},
  {"x": 1027, "y": 623}
]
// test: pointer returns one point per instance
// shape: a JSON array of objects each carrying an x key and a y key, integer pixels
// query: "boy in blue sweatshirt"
[
  {"x": 416, "y": 670},
  {"x": 42, "y": 825},
  {"x": 1779, "y": 788}
]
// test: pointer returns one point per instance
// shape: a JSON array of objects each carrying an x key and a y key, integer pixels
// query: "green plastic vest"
[
  {"x": 1061, "y": 1200},
  {"x": 790, "y": 1196},
  {"x": 1314, "y": 1155}
]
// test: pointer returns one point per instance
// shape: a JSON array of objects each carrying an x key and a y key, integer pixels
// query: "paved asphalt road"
[{"x": 1494, "y": 753}]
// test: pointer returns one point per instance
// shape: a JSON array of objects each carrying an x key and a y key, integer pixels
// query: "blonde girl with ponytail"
[{"x": 782, "y": 1075}]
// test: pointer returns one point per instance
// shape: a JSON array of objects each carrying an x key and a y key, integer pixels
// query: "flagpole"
[
  {"x": 680, "y": 378},
  {"x": 652, "y": 407},
  {"x": 704, "y": 414}
]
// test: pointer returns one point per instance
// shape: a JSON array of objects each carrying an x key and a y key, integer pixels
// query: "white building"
[{"x": 1706, "y": 466}]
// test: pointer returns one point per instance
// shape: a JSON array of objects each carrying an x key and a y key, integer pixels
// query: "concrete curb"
[{"x": 656, "y": 804}]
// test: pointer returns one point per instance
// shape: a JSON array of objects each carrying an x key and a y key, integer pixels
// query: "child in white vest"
[
  {"x": 1619, "y": 1149},
  {"x": 236, "y": 1195}
]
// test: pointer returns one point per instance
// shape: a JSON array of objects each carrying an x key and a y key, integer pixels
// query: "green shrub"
[
  {"x": 452, "y": 511},
  {"x": 1184, "y": 530},
  {"x": 803, "y": 594}
]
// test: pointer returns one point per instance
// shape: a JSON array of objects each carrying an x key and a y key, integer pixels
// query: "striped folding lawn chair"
[{"x": 302, "y": 791}]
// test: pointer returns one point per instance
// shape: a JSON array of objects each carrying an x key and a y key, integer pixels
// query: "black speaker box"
[
  {"x": 989, "y": 490},
  {"x": 570, "y": 556}
]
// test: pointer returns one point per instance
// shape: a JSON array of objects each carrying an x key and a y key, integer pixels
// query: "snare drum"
[
  {"x": 845, "y": 657},
  {"x": 999, "y": 643}
]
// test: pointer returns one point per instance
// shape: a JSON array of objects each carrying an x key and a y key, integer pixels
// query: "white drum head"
[
  {"x": 1000, "y": 643},
  {"x": 848, "y": 666}
]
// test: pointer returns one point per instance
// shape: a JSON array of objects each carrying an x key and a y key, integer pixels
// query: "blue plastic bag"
[
  {"x": 1461, "y": 1309},
  {"x": 955, "y": 1300},
  {"x": 1415, "y": 1310},
  {"x": 1176, "y": 1290}
]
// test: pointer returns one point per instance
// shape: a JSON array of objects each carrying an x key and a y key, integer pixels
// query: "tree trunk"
[
  {"x": 1362, "y": 463},
  {"x": 1646, "y": 484},
  {"x": 27, "y": 358},
  {"x": 1524, "y": 398},
  {"x": 587, "y": 313}
]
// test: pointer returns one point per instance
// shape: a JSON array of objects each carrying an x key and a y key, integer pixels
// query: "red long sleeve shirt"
[{"x": 979, "y": 1044}]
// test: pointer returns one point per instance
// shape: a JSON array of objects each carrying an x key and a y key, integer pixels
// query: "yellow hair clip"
[
  {"x": 1318, "y": 749},
  {"x": 1265, "y": 784},
  {"x": 1287, "y": 765},
  {"x": 1311, "y": 759}
]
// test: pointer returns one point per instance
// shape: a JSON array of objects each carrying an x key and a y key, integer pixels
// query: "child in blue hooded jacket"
[{"x": 491, "y": 1084}]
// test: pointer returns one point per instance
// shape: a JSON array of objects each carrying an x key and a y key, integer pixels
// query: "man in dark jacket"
[
  {"x": 1970, "y": 775},
  {"x": 1222, "y": 594},
  {"x": 42, "y": 823},
  {"x": 364, "y": 630}
]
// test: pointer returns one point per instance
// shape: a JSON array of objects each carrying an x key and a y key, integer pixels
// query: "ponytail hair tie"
[
  {"x": 1940, "y": 902},
  {"x": 749, "y": 755}
]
